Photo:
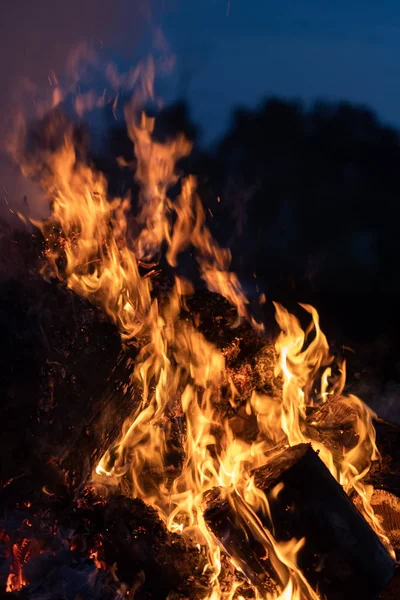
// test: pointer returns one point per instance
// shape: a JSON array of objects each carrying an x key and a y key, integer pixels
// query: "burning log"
[
  {"x": 249, "y": 361},
  {"x": 387, "y": 509},
  {"x": 341, "y": 553},
  {"x": 61, "y": 352},
  {"x": 250, "y": 358},
  {"x": 385, "y": 474},
  {"x": 71, "y": 412},
  {"x": 232, "y": 528},
  {"x": 102, "y": 423},
  {"x": 332, "y": 425}
]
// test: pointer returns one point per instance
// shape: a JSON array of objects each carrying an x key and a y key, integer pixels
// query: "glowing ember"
[
  {"x": 20, "y": 554},
  {"x": 179, "y": 371}
]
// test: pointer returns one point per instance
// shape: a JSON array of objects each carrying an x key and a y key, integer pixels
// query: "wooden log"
[
  {"x": 102, "y": 421},
  {"x": 341, "y": 554},
  {"x": 332, "y": 425},
  {"x": 233, "y": 532},
  {"x": 250, "y": 545},
  {"x": 385, "y": 473},
  {"x": 387, "y": 508},
  {"x": 64, "y": 385}
]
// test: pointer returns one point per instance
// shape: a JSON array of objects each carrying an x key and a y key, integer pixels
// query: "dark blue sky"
[
  {"x": 238, "y": 52},
  {"x": 228, "y": 53}
]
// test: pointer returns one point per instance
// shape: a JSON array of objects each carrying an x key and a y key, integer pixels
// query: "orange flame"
[
  {"x": 181, "y": 374},
  {"x": 300, "y": 364},
  {"x": 20, "y": 554}
]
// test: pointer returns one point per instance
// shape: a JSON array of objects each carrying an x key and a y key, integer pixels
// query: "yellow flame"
[{"x": 182, "y": 376}]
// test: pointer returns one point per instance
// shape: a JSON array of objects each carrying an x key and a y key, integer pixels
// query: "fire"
[
  {"x": 20, "y": 553},
  {"x": 182, "y": 376},
  {"x": 300, "y": 364}
]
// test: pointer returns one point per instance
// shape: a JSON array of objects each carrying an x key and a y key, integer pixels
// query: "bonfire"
[{"x": 204, "y": 457}]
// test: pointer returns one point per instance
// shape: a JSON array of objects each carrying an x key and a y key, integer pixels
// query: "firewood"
[
  {"x": 102, "y": 422},
  {"x": 238, "y": 542},
  {"x": 341, "y": 553},
  {"x": 60, "y": 353},
  {"x": 332, "y": 425},
  {"x": 387, "y": 508},
  {"x": 249, "y": 361}
]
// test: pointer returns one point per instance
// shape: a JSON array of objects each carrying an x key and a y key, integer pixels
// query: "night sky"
[
  {"x": 227, "y": 53},
  {"x": 307, "y": 49}
]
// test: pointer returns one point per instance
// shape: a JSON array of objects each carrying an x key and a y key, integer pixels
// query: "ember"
[{"x": 212, "y": 464}]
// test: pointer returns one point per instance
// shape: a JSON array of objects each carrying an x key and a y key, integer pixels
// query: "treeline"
[{"x": 308, "y": 198}]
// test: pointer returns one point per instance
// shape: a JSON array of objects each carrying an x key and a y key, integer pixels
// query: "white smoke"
[{"x": 36, "y": 41}]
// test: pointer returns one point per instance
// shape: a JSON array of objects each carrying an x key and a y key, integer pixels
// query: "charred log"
[
  {"x": 332, "y": 424},
  {"x": 234, "y": 530},
  {"x": 341, "y": 554},
  {"x": 67, "y": 383},
  {"x": 385, "y": 473},
  {"x": 58, "y": 356},
  {"x": 387, "y": 509},
  {"x": 102, "y": 422}
]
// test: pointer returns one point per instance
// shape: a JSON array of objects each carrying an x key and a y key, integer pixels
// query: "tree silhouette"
[{"x": 321, "y": 191}]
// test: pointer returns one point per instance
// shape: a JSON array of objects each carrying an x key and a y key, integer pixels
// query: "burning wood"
[
  {"x": 196, "y": 399},
  {"x": 387, "y": 509},
  {"x": 341, "y": 553}
]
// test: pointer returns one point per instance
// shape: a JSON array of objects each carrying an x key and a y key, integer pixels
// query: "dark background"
[{"x": 307, "y": 171}]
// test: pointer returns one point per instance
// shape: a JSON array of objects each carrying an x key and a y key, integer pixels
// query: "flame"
[
  {"x": 182, "y": 376},
  {"x": 20, "y": 553},
  {"x": 300, "y": 364}
]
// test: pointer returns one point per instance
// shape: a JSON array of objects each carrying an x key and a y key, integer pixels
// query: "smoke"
[{"x": 36, "y": 43}]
